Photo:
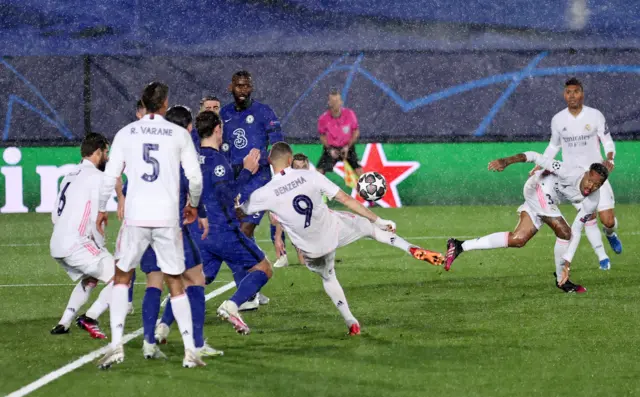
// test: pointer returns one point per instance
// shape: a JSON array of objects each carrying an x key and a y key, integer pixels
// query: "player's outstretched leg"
[
  {"x": 523, "y": 232},
  {"x": 595, "y": 238},
  {"x": 610, "y": 227},
  {"x": 89, "y": 321},
  {"x": 421, "y": 254},
  {"x": 78, "y": 298}
]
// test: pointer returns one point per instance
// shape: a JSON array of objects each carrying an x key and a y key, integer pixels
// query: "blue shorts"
[
  {"x": 261, "y": 178},
  {"x": 231, "y": 246},
  {"x": 192, "y": 258}
]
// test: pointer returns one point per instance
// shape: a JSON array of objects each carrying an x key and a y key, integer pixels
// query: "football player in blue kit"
[
  {"x": 247, "y": 125},
  {"x": 193, "y": 276},
  {"x": 227, "y": 242}
]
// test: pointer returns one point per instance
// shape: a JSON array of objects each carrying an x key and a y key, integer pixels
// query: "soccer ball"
[{"x": 372, "y": 186}]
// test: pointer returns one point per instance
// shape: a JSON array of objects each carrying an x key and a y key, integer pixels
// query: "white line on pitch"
[
  {"x": 60, "y": 285},
  {"x": 50, "y": 377}
]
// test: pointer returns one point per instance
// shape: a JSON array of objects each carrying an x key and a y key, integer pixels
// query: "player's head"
[
  {"x": 335, "y": 100},
  {"x": 281, "y": 155},
  {"x": 180, "y": 115},
  {"x": 241, "y": 87},
  {"x": 300, "y": 162},
  {"x": 573, "y": 93},
  {"x": 155, "y": 98},
  {"x": 594, "y": 178},
  {"x": 140, "y": 110},
  {"x": 95, "y": 148},
  {"x": 211, "y": 103},
  {"x": 209, "y": 126}
]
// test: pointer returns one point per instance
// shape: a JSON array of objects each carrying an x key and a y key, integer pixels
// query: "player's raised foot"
[
  {"x": 162, "y": 333},
  {"x": 59, "y": 330},
  {"x": 354, "y": 329},
  {"x": 283, "y": 261},
  {"x": 263, "y": 299},
  {"x": 192, "y": 359},
  {"x": 615, "y": 243},
  {"x": 91, "y": 326},
  {"x": 454, "y": 248},
  {"x": 130, "y": 308},
  {"x": 421, "y": 254},
  {"x": 251, "y": 304},
  {"x": 228, "y": 311},
  {"x": 208, "y": 351},
  {"x": 570, "y": 287},
  {"x": 605, "y": 264},
  {"x": 152, "y": 351},
  {"x": 112, "y": 356}
]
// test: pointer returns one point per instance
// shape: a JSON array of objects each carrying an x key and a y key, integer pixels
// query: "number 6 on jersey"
[{"x": 307, "y": 210}]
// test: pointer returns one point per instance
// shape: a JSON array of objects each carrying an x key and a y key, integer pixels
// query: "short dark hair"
[
  {"x": 280, "y": 149},
  {"x": 209, "y": 98},
  {"x": 241, "y": 74},
  {"x": 206, "y": 122},
  {"x": 139, "y": 105},
  {"x": 154, "y": 95},
  {"x": 180, "y": 115},
  {"x": 300, "y": 157},
  {"x": 92, "y": 142},
  {"x": 334, "y": 91},
  {"x": 574, "y": 81},
  {"x": 601, "y": 170}
]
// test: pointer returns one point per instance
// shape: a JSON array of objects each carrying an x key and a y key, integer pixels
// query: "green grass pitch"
[{"x": 495, "y": 325}]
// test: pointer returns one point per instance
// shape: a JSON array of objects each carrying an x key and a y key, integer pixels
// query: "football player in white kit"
[
  {"x": 75, "y": 244},
  {"x": 543, "y": 191},
  {"x": 294, "y": 197},
  {"x": 579, "y": 130},
  {"x": 153, "y": 150}
]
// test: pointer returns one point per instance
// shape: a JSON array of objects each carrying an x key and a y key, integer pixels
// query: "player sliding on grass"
[
  {"x": 294, "y": 197},
  {"x": 543, "y": 191}
]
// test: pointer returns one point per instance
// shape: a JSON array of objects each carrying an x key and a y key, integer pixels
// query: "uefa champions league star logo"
[
  {"x": 219, "y": 170},
  {"x": 375, "y": 160}
]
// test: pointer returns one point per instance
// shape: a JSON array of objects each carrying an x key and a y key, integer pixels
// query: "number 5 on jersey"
[
  {"x": 146, "y": 156},
  {"x": 307, "y": 210}
]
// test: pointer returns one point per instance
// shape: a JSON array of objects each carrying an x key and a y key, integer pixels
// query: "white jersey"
[
  {"x": 76, "y": 209},
  {"x": 579, "y": 137},
  {"x": 294, "y": 196},
  {"x": 153, "y": 150}
]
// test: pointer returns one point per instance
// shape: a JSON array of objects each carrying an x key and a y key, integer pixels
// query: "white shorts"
[
  {"x": 121, "y": 237},
  {"x": 537, "y": 204},
  {"x": 352, "y": 227},
  {"x": 166, "y": 243},
  {"x": 88, "y": 260},
  {"x": 607, "y": 200},
  {"x": 323, "y": 265}
]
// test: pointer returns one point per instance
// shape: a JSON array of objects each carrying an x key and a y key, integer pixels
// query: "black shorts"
[{"x": 326, "y": 162}]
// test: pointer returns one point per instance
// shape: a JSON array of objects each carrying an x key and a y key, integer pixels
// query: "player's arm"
[
  {"x": 191, "y": 167},
  {"x": 54, "y": 213},
  {"x": 278, "y": 243},
  {"x": 552, "y": 149},
  {"x": 93, "y": 216},
  {"x": 546, "y": 163},
  {"x": 355, "y": 206},
  {"x": 273, "y": 127},
  {"x": 114, "y": 169},
  {"x": 356, "y": 131},
  {"x": 121, "y": 198},
  {"x": 607, "y": 142}
]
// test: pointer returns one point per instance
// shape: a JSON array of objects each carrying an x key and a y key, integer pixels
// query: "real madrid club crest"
[
  {"x": 250, "y": 119},
  {"x": 225, "y": 147},
  {"x": 219, "y": 170},
  {"x": 587, "y": 127}
]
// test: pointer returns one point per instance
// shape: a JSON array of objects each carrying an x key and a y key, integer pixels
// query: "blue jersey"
[
  {"x": 253, "y": 128},
  {"x": 220, "y": 189}
]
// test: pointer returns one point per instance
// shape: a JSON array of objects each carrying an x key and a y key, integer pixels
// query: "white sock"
[
  {"x": 595, "y": 238},
  {"x": 333, "y": 288},
  {"x": 495, "y": 240},
  {"x": 391, "y": 239},
  {"x": 79, "y": 296},
  {"x": 102, "y": 303},
  {"x": 558, "y": 251},
  {"x": 611, "y": 231},
  {"x": 119, "y": 301},
  {"x": 182, "y": 313}
]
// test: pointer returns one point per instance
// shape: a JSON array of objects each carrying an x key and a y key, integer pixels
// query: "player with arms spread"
[
  {"x": 75, "y": 243},
  {"x": 153, "y": 150},
  {"x": 294, "y": 197},
  {"x": 249, "y": 124},
  {"x": 543, "y": 191},
  {"x": 578, "y": 130}
]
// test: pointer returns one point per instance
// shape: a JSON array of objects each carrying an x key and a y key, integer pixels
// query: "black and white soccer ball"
[{"x": 372, "y": 186}]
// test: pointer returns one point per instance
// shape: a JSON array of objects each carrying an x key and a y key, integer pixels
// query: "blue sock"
[
  {"x": 249, "y": 286},
  {"x": 273, "y": 234},
  {"x": 196, "y": 300},
  {"x": 133, "y": 280},
  {"x": 150, "y": 311},
  {"x": 167, "y": 316},
  {"x": 238, "y": 275}
]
